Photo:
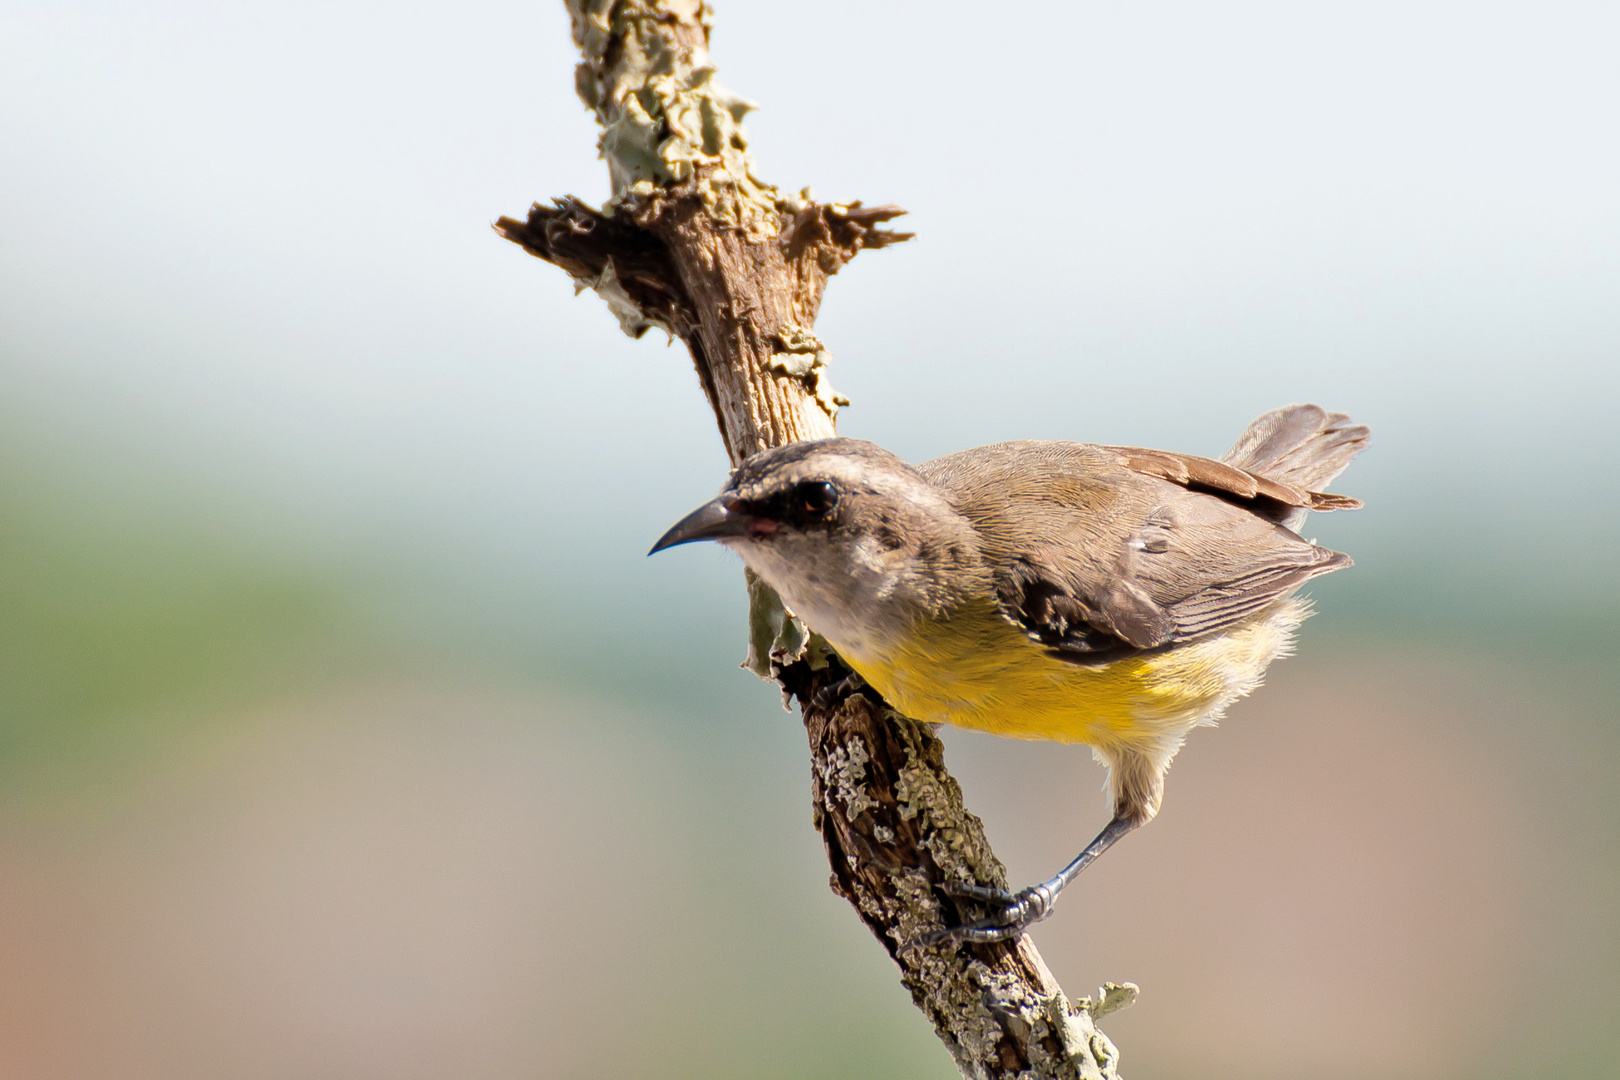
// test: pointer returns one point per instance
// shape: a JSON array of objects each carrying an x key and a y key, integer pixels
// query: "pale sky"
[{"x": 247, "y": 250}]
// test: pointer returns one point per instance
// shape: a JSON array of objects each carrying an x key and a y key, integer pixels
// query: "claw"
[
  {"x": 831, "y": 692},
  {"x": 1011, "y": 913},
  {"x": 982, "y": 894}
]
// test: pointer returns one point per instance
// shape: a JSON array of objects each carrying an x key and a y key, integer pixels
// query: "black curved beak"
[{"x": 712, "y": 521}]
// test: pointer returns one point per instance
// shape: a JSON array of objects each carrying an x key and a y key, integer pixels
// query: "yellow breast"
[{"x": 975, "y": 669}]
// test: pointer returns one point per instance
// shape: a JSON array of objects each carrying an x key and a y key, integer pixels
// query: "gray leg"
[{"x": 1012, "y": 912}]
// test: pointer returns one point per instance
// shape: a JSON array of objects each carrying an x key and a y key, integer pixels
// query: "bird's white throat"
[{"x": 859, "y": 595}]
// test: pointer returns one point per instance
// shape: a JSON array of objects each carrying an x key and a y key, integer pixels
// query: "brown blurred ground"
[
  {"x": 1361, "y": 873},
  {"x": 1369, "y": 869}
]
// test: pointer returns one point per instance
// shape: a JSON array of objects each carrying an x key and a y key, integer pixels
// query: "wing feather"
[{"x": 1101, "y": 551}]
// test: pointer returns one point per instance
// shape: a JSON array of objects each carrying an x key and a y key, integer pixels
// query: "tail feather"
[{"x": 1302, "y": 445}]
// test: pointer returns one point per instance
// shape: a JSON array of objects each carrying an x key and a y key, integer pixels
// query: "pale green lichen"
[
  {"x": 843, "y": 774},
  {"x": 1111, "y": 997},
  {"x": 802, "y": 356},
  {"x": 669, "y": 125},
  {"x": 977, "y": 1029},
  {"x": 665, "y": 119},
  {"x": 1083, "y": 1052},
  {"x": 632, "y": 320},
  {"x": 818, "y": 654},
  {"x": 919, "y": 790},
  {"x": 776, "y": 637}
]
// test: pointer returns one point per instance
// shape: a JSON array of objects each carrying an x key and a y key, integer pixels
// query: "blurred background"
[{"x": 346, "y": 732}]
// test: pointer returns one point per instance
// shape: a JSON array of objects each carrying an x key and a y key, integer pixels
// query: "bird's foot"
[
  {"x": 1011, "y": 913},
  {"x": 824, "y": 698}
]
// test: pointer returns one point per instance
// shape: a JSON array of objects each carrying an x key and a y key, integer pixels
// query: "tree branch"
[{"x": 694, "y": 243}]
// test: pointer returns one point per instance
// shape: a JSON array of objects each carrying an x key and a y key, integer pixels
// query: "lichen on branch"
[
  {"x": 666, "y": 120},
  {"x": 671, "y": 133},
  {"x": 896, "y": 829}
]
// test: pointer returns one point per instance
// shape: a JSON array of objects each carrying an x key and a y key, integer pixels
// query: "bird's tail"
[{"x": 1302, "y": 445}]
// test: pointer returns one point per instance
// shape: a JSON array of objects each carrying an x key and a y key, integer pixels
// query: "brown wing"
[
  {"x": 1266, "y": 495},
  {"x": 1098, "y": 551}
]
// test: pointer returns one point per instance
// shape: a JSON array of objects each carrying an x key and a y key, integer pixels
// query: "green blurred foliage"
[{"x": 105, "y": 617}]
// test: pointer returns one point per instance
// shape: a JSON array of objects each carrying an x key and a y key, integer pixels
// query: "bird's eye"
[{"x": 817, "y": 496}]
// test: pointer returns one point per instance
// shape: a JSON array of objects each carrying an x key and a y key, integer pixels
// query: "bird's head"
[{"x": 842, "y": 529}]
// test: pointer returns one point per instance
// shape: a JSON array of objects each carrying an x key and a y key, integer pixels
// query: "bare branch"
[{"x": 693, "y": 242}]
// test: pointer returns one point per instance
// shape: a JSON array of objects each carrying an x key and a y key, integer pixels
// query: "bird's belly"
[{"x": 977, "y": 670}]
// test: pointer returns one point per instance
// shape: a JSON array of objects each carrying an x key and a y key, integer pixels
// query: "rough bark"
[{"x": 693, "y": 243}]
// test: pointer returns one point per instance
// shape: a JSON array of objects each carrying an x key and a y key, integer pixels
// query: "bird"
[{"x": 1107, "y": 595}]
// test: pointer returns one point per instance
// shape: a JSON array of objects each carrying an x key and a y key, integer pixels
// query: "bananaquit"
[{"x": 1104, "y": 595}]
